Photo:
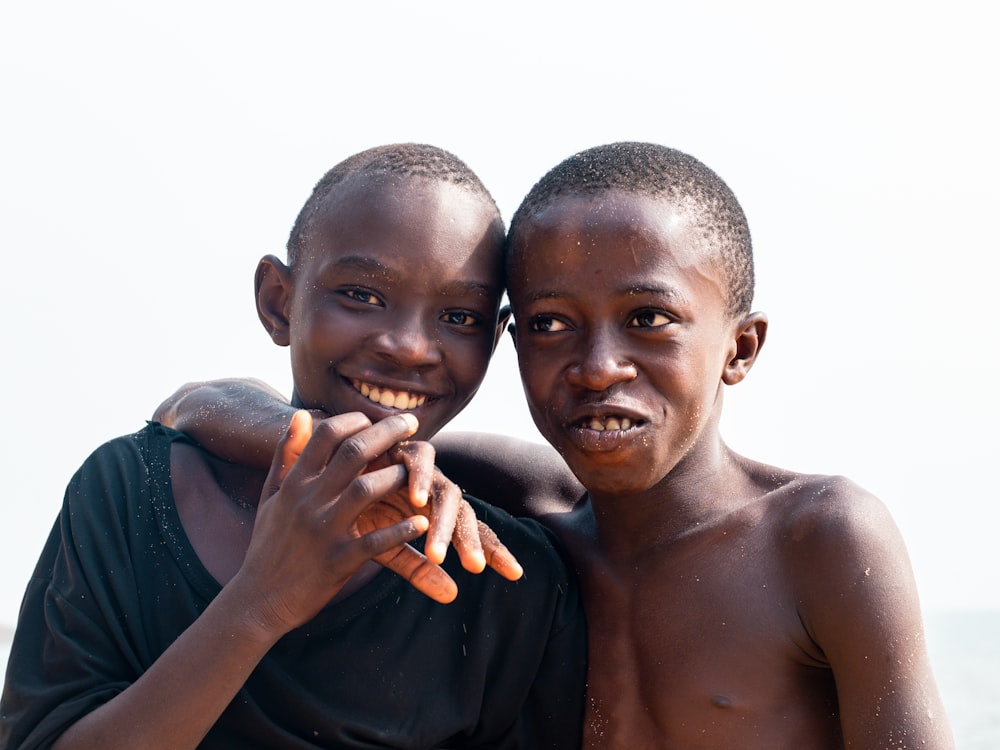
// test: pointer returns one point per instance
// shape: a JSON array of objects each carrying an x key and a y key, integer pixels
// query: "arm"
[
  {"x": 859, "y": 602},
  {"x": 523, "y": 478},
  {"x": 239, "y": 420},
  {"x": 304, "y": 548}
]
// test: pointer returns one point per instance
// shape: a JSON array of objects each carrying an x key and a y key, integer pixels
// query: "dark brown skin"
[
  {"x": 347, "y": 493},
  {"x": 730, "y": 604},
  {"x": 716, "y": 609}
]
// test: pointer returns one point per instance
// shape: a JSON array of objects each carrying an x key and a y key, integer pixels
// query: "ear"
[
  {"x": 502, "y": 319},
  {"x": 273, "y": 286},
  {"x": 751, "y": 330}
]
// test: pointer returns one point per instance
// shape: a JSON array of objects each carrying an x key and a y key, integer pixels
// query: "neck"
[{"x": 699, "y": 490}]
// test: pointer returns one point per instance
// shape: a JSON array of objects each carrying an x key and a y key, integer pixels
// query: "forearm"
[
  {"x": 239, "y": 420},
  {"x": 522, "y": 478},
  {"x": 182, "y": 695}
]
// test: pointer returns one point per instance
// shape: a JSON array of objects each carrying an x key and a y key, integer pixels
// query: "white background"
[{"x": 151, "y": 153}]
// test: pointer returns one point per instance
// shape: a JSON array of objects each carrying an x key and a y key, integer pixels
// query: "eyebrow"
[
  {"x": 377, "y": 269},
  {"x": 632, "y": 291},
  {"x": 358, "y": 263},
  {"x": 660, "y": 291}
]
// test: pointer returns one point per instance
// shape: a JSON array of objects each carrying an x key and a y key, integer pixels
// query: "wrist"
[{"x": 250, "y": 615}]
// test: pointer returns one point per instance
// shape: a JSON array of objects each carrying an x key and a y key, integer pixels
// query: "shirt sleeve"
[{"x": 70, "y": 652}]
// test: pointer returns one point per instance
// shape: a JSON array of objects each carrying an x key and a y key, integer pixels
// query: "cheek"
[
  {"x": 469, "y": 356},
  {"x": 540, "y": 391}
]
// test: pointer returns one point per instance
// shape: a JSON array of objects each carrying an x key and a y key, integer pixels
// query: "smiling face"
[
  {"x": 623, "y": 337},
  {"x": 393, "y": 304}
]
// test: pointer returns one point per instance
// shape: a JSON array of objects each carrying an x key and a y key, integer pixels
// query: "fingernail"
[{"x": 437, "y": 552}]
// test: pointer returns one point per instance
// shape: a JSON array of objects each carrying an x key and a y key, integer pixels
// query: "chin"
[{"x": 610, "y": 477}]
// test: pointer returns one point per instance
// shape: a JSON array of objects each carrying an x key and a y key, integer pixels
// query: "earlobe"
[
  {"x": 273, "y": 286},
  {"x": 750, "y": 334}
]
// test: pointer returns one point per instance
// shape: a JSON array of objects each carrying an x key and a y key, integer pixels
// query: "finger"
[
  {"x": 445, "y": 510},
  {"x": 466, "y": 539},
  {"x": 428, "y": 578},
  {"x": 364, "y": 491},
  {"x": 353, "y": 454},
  {"x": 289, "y": 449},
  {"x": 418, "y": 458},
  {"x": 381, "y": 543},
  {"x": 326, "y": 438},
  {"x": 497, "y": 555}
]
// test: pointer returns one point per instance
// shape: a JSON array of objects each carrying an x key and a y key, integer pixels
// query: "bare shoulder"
[
  {"x": 831, "y": 514},
  {"x": 844, "y": 554}
]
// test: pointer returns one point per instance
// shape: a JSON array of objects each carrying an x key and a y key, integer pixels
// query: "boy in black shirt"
[{"x": 170, "y": 608}]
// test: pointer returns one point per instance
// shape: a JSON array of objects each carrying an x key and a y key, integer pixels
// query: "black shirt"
[{"x": 502, "y": 666}]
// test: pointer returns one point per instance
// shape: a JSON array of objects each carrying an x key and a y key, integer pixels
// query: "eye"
[
  {"x": 364, "y": 297},
  {"x": 461, "y": 318},
  {"x": 546, "y": 324},
  {"x": 649, "y": 319}
]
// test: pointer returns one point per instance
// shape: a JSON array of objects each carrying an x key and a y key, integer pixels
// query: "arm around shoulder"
[
  {"x": 523, "y": 478},
  {"x": 238, "y": 419}
]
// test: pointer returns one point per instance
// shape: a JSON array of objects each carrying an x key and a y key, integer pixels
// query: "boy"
[
  {"x": 171, "y": 609},
  {"x": 729, "y": 603}
]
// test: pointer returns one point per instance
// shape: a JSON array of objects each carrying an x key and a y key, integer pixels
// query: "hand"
[
  {"x": 306, "y": 542},
  {"x": 452, "y": 519}
]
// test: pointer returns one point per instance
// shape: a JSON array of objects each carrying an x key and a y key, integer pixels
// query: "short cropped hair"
[
  {"x": 659, "y": 172},
  {"x": 400, "y": 159}
]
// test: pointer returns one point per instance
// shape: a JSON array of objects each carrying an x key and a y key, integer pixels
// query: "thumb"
[{"x": 289, "y": 449}]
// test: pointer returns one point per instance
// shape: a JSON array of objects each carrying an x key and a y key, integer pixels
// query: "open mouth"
[
  {"x": 389, "y": 398},
  {"x": 603, "y": 424}
]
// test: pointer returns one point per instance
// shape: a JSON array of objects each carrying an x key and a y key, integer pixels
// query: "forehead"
[
  {"x": 401, "y": 219},
  {"x": 630, "y": 235}
]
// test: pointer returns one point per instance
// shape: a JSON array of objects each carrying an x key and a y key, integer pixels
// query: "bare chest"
[
  {"x": 218, "y": 528},
  {"x": 702, "y": 650}
]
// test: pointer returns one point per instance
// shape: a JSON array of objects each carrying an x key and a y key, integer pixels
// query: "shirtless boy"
[
  {"x": 182, "y": 601},
  {"x": 730, "y": 604}
]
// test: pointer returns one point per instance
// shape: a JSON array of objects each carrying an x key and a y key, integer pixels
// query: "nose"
[
  {"x": 409, "y": 341},
  {"x": 601, "y": 365}
]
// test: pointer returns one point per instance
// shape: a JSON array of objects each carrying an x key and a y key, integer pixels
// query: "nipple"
[{"x": 722, "y": 701}]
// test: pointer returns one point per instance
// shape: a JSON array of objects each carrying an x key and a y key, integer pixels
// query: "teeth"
[
  {"x": 610, "y": 423},
  {"x": 389, "y": 398}
]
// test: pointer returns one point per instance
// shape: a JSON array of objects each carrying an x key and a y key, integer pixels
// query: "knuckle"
[
  {"x": 465, "y": 512},
  {"x": 325, "y": 427},
  {"x": 354, "y": 449},
  {"x": 371, "y": 545},
  {"x": 487, "y": 536},
  {"x": 365, "y": 485}
]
